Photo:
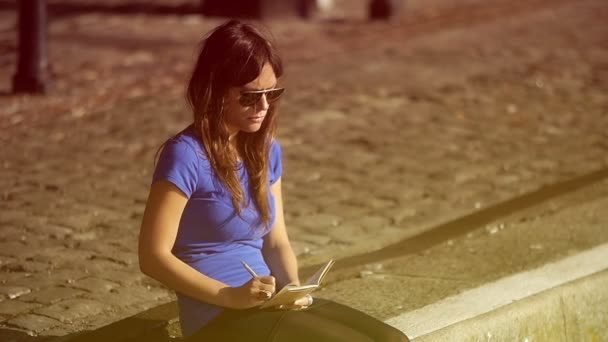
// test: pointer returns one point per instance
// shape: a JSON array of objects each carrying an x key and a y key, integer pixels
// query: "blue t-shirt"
[{"x": 211, "y": 237}]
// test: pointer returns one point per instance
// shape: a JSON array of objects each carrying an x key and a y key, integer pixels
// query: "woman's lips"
[{"x": 256, "y": 118}]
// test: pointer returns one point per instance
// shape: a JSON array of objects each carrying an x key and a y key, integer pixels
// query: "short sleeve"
[
  {"x": 276, "y": 162},
  {"x": 178, "y": 164}
]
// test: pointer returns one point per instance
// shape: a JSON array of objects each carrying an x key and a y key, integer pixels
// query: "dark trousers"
[{"x": 323, "y": 321}]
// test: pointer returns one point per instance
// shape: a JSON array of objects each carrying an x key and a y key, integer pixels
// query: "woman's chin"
[{"x": 251, "y": 128}]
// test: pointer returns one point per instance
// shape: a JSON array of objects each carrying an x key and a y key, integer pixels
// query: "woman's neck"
[{"x": 233, "y": 147}]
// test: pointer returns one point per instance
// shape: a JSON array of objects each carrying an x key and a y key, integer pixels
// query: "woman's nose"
[{"x": 263, "y": 103}]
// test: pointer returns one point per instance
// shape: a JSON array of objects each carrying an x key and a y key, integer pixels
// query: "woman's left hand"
[{"x": 299, "y": 304}]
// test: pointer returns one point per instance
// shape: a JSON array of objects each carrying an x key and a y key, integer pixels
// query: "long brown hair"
[{"x": 233, "y": 55}]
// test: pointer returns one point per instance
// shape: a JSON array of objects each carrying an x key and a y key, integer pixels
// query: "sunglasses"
[{"x": 250, "y": 98}]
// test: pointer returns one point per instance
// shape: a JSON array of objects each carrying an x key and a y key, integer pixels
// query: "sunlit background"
[{"x": 389, "y": 127}]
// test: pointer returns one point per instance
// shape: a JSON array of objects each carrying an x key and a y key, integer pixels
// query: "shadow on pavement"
[
  {"x": 149, "y": 326},
  {"x": 129, "y": 330},
  {"x": 8, "y": 335}
]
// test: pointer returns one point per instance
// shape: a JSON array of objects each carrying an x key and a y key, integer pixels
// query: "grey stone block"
[
  {"x": 93, "y": 284},
  {"x": 14, "y": 307},
  {"x": 12, "y": 292},
  {"x": 69, "y": 310},
  {"x": 51, "y": 295},
  {"x": 35, "y": 323}
]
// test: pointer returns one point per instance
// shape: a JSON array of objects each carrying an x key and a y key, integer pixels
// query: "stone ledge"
[
  {"x": 576, "y": 311},
  {"x": 558, "y": 301}
]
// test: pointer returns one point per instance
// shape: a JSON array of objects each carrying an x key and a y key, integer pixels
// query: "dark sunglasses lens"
[
  {"x": 274, "y": 95},
  {"x": 249, "y": 99}
]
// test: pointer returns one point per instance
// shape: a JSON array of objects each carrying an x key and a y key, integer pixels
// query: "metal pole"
[
  {"x": 32, "y": 63},
  {"x": 305, "y": 8},
  {"x": 384, "y": 9}
]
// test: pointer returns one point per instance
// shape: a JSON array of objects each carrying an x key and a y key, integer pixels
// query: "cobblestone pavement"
[{"x": 387, "y": 130}]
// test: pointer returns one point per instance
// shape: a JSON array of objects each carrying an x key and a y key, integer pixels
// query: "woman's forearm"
[
  {"x": 179, "y": 276},
  {"x": 283, "y": 264}
]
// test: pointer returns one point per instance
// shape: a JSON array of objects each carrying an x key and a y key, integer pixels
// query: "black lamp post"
[
  {"x": 384, "y": 9},
  {"x": 32, "y": 63}
]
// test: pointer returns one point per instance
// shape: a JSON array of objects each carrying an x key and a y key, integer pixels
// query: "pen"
[
  {"x": 267, "y": 294},
  {"x": 249, "y": 269}
]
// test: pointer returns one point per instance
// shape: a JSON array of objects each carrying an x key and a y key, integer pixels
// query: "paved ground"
[{"x": 387, "y": 129}]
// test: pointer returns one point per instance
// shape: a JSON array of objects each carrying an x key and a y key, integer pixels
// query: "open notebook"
[{"x": 291, "y": 293}]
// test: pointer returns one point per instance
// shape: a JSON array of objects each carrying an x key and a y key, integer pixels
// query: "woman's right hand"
[{"x": 253, "y": 293}]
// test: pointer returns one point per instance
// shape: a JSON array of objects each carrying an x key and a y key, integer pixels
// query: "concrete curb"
[
  {"x": 565, "y": 300},
  {"x": 576, "y": 311}
]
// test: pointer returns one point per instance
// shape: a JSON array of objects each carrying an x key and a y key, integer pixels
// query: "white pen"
[
  {"x": 249, "y": 269},
  {"x": 253, "y": 274}
]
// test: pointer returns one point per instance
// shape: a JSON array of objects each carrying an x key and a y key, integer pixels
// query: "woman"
[{"x": 215, "y": 201}]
